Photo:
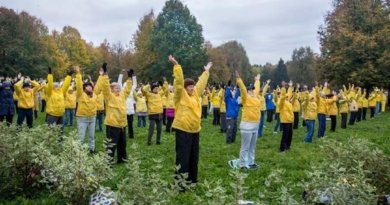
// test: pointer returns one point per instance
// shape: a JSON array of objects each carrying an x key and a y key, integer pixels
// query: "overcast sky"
[{"x": 268, "y": 29}]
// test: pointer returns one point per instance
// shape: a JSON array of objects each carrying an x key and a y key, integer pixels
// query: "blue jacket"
[
  {"x": 7, "y": 106},
  {"x": 269, "y": 101},
  {"x": 232, "y": 107}
]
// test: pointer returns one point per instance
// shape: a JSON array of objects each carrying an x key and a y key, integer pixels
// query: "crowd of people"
[{"x": 181, "y": 106}]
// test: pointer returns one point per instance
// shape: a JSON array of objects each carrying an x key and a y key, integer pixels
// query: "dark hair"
[
  {"x": 153, "y": 85},
  {"x": 87, "y": 84},
  {"x": 188, "y": 82}
]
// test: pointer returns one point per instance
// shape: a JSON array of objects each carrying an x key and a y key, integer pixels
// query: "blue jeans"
[
  {"x": 261, "y": 126},
  {"x": 310, "y": 130},
  {"x": 377, "y": 108},
  {"x": 69, "y": 112},
  {"x": 321, "y": 125},
  {"x": 84, "y": 124}
]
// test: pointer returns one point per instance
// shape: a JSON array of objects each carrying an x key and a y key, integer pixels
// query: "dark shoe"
[
  {"x": 253, "y": 166},
  {"x": 91, "y": 152},
  {"x": 149, "y": 143},
  {"x": 158, "y": 142}
]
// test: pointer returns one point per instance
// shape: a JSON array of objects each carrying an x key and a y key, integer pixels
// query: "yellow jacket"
[
  {"x": 205, "y": 99},
  {"x": 87, "y": 105},
  {"x": 187, "y": 108},
  {"x": 332, "y": 105},
  {"x": 55, "y": 99},
  {"x": 372, "y": 100},
  {"x": 309, "y": 106},
  {"x": 70, "y": 100},
  {"x": 116, "y": 115},
  {"x": 250, "y": 104},
  {"x": 170, "y": 102},
  {"x": 26, "y": 98},
  {"x": 221, "y": 95},
  {"x": 140, "y": 105},
  {"x": 100, "y": 102},
  {"x": 296, "y": 104},
  {"x": 285, "y": 106},
  {"x": 215, "y": 99},
  {"x": 262, "y": 98},
  {"x": 154, "y": 101}
]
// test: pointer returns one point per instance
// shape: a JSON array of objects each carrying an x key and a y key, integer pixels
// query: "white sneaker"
[{"x": 233, "y": 163}]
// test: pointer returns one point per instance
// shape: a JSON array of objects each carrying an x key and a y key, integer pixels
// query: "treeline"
[{"x": 355, "y": 48}]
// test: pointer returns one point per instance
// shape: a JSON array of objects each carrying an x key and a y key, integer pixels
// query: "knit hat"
[{"x": 188, "y": 82}]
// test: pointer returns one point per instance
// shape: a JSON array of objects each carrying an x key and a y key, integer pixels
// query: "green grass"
[{"x": 215, "y": 153}]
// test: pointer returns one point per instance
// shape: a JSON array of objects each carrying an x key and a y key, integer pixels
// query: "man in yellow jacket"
[
  {"x": 55, "y": 99},
  {"x": 331, "y": 109},
  {"x": 343, "y": 108},
  {"x": 187, "y": 119},
  {"x": 25, "y": 91},
  {"x": 116, "y": 118},
  {"x": 205, "y": 103},
  {"x": 70, "y": 106}
]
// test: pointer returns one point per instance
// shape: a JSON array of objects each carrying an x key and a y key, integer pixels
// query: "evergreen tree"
[
  {"x": 177, "y": 32},
  {"x": 301, "y": 67},
  {"x": 280, "y": 73}
]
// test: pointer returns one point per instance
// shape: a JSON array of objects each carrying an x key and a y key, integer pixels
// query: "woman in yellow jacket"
[
  {"x": 86, "y": 110},
  {"x": 249, "y": 125},
  {"x": 332, "y": 109},
  {"x": 296, "y": 107},
  {"x": 187, "y": 119},
  {"x": 205, "y": 103},
  {"x": 365, "y": 104},
  {"x": 372, "y": 103},
  {"x": 216, "y": 102},
  {"x": 25, "y": 91},
  {"x": 55, "y": 99},
  {"x": 140, "y": 108},
  {"x": 321, "y": 108},
  {"x": 222, "y": 110},
  {"x": 170, "y": 108},
  {"x": 309, "y": 106},
  {"x": 263, "y": 108},
  {"x": 155, "y": 109},
  {"x": 70, "y": 106},
  {"x": 286, "y": 117},
  {"x": 116, "y": 118},
  {"x": 383, "y": 101}
]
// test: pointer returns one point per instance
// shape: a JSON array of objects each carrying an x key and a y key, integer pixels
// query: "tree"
[
  {"x": 267, "y": 72},
  {"x": 355, "y": 43},
  {"x": 177, "y": 32},
  {"x": 237, "y": 59},
  {"x": 221, "y": 72},
  {"x": 22, "y": 44},
  {"x": 280, "y": 73},
  {"x": 143, "y": 57},
  {"x": 301, "y": 67}
]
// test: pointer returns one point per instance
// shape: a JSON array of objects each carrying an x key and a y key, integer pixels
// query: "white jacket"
[{"x": 130, "y": 100}]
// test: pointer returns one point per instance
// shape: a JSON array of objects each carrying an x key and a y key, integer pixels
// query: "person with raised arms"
[{"x": 187, "y": 120}]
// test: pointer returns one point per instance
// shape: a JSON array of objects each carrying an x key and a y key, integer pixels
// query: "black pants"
[
  {"x": 364, "y": 113},
  {"x": 303, "y": 123},
  {"x": 223, "y": 121},
  {"x": 285, "y": 143},
  {"x": 270, "y": 115},
  {"x": 154, "y": 119},
  {"x": 141, "y": 121},
  {"x": 168, "y": 127},
  {"x": 359, "y": 115},
  {"x": 8, "y": 119},
  {"x": 117, "y": 137},
  {"x": 130, "y": 125},
  {"x": 352, "y": 118},
  {"x": 55, "y": 120},
  {"x": 216, "y": 113},
  {"x": 333, "y": 121},
  {"x": 296, "y": 120},
  {"x": 344, "y": 117},
  {"x": 25, "y": 113},
  {"x": 204, "y": 111},
  {"x": 43, "y": 107},
  {"x": 372, "y": 109},
  {"x": 187, "y": 154},
  {"x": 231, "y": 130}
]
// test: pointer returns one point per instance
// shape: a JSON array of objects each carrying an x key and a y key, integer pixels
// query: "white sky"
[{"x": 268, "y": 29}]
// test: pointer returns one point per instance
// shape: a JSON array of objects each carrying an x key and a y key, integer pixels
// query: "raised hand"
[
  {"x": 268, "y": 81},
  {"x": 172, "y": 60},
  {"x": 104, "y": 67},
  {"x": 70, "y": 72},
  {"x": 77, "y": 69},
  {"x": 290, "y": 83},
  {"x": 208, "y": 66},
  {"x": 130, "y": 73},
  {"x": 48, "y": 68},
  {"x": 257, "y": 77},
  {"x": 237, "y": 74}
]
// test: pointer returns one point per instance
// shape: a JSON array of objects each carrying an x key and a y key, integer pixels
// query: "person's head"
[
  {"x": 56, "y": 85},
  {"x": 250, "y": 89},
  {"x": 171, "y": 89},
  {"x": 88, "y": 88},
  {"x": 234, "y": 91},
  {"x": 115, "y": 88},
  {"x": 139, "y": 93},
  {"x": 26, "y": 86},
  {"x": 154, "y": 87},
  {"x": 70, "y": 90},
  {"x": 189, "y": 85}
]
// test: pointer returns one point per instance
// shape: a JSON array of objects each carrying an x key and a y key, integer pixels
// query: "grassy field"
[{"x": 215, "y": 153}]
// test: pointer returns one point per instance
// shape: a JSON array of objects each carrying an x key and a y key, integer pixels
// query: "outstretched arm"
[{"x": 202, "y": 82}]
